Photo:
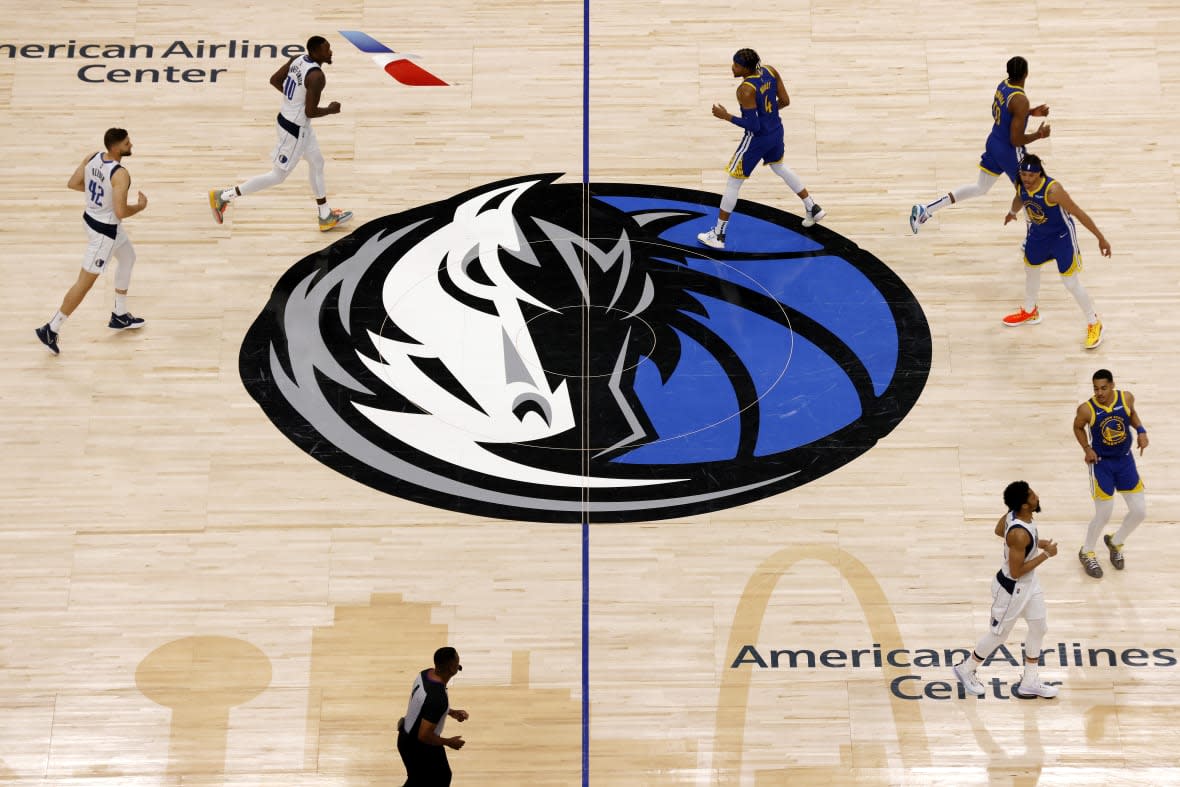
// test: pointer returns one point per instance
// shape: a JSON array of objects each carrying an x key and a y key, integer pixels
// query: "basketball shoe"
[
  {"x": 712, "y": 239},
  {"x": 48, "y": 337},
  {"x": 918, "y": 217},
  {"x": 218, "y": 205},
  {"x": 814, "y": 214},
  {"x": 335, "y": 219},
  {"x": 1116, "y": 552},
  {"x": 1032, "y": 690},
  {"x": 1093, "y": 335},
  {"x": 1023, "y": 318},
  {"x": 968, "y": 679},
  {"x": 1089, "y": 561}
]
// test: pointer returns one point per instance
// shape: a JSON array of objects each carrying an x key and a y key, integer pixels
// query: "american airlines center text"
[
  {"x": 179, "y": 54},
  {"x": 935, "y": 681}
]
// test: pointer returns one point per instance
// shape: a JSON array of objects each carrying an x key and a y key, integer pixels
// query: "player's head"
[
  {"x": 745, "y": 61},
  {"x": 446, "y": 663},
  {"x": 1017, "y": 69},
  {"x": 1031, "y": 170},
  {"x": 1018, "y": 495},
  {"x": 319, "y": 50},
  {"x": 117, "y": 140},
  {"x": 1103, "y": 385}
]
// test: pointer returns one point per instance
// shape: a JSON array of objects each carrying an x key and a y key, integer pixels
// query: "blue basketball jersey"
[
  {"x": 1110, "y": 427},
  {"x": 1045, "y": 218},
  {"x": 765, "y": 84},
  {"x": 1002, "y": 116}
]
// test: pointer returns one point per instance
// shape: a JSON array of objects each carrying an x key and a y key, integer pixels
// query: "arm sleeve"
[{"x": 749, "y": 120}]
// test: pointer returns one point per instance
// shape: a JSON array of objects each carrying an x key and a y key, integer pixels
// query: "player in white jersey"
[
  {"x": 1016, "y": 593},
  {"x": 105, "y": 182},
  {"x": 301, "y": 81}
]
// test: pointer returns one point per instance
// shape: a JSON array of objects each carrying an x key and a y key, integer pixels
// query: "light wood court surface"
[{"x": 188, "y": 599}]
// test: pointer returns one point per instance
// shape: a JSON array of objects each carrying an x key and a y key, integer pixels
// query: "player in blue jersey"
[
  {"x": 1005, "y": 142},
  {"x": 1052, "y": 236},
  {"x": 760, "y": 96},
  {"x": 1102, "y": 427}
]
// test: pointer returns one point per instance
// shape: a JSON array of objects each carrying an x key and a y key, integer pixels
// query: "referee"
[{"x": 419, "y": 733}]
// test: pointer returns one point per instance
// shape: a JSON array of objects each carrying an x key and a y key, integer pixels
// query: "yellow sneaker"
[
  {"x": 335, "y": 219},
  {"x": 1093, "y": 335}
]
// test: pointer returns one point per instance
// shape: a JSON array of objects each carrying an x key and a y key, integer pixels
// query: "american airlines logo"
[{"x": 398, "y": 65}]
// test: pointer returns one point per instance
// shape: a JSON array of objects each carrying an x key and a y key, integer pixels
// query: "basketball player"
[
  {"x": 105, "y": 182},
  {"x": 1103, "y": 427},
  {"x": 1051, "y": 235},
  {"x": 301, "y": 81},
  {"x": 1016, "y": 593},
  {"x": 1005, "y": 144},
  {"x": 419, "y": 741},
  {"x": 760, "y": 95}
]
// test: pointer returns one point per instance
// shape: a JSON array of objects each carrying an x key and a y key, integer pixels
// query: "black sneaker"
[
  {"x": 1116, "y": 552},
  {"x": 1089, "y": 561},
  {"x": 123, "y": 322},
  {"x": 48, "y": 337},
  {"x": 814, "y": 215}
]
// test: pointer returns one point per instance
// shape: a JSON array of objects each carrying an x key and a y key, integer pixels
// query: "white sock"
[
  {"x": 57, "y": 321},
  {"x": 120, "y": 304},
  {"x": 230, "y": 194},
  {"x": 325, "y": 210},
  {"x": 808, "y": 202},
  {"x": 1032, "y": 286},
  {"x": 939, "y": 203},
  {"x": 1102, "y": 512},
  {"x": 1030, "y": 672},
  {"x": 720, "y": 228}
]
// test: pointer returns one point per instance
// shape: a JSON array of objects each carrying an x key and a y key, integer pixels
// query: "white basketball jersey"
[
  {"x": 295, "y": 90},
  {"x": 1031, "y": 527},
  {"x": 100, "y": 194}
]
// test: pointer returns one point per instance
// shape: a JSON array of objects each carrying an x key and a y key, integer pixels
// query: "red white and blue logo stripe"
[{"x": 398, "y": 65}]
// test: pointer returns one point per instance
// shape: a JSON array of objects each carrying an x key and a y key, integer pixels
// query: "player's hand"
[
  {"x": 334, "y": 108},
  {"x": 1010, "y": 217},
  {"x": 1104, "y": 247},
  {"x": 458, "y": 715},
  {"x": 1142, "y": 441},
  {"x": 457, "y": 742},
  {"x": 1049, "y": 546},
  {"x": 720, "y": 112},
  {"x": 1040, "y": 111},
  {"x": 1091, "y": 457},
  {"x": 141, "y": 203},
  {"x": 1043, "y": 130}
]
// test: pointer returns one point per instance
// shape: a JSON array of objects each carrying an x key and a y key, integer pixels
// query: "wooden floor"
[{"x": 186, "y": 598}]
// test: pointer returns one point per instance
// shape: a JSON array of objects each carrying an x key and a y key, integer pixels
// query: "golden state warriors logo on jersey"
[
  {"x": 1113, "y": 429},
  {"x": 1034, "y": 212},
  {"x": 546, "y": 352}
]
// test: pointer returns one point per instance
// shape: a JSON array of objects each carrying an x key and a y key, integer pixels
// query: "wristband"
[{"x": 1141, "y": 429}]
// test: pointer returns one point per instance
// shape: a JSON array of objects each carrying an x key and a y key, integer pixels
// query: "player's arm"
[
  {"x": 1140, "y": 429},
  {"x": 1081, "y": 420},
  {"x": 280, "y": 76},
  {"x": 427, "y": 735},
  {"x": 1001, "y": 525},
  {"x": 1057, "y": 193},
  {"x": 77, "y": 181},
  {"x": 1015, "y": 208},
  {"x": 748, "y": 101},
  {"x": 121, "y": 182},
  {"x": 784, "y": 100},
  {"x": 314, "y": 82},
  {"x": 1018, "y": 540},
  {"x": 1018, "y": 106}
]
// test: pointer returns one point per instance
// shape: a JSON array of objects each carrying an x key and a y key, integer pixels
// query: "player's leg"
[
  {"x": 1102, "y": 485},
  {"x": 920, "y": 214},
  {"x": 1069, "y": 264},
  {"x": 1030, "y": 684},
  {"x": 773, "y": 156},
  {"x": 740, "y": 165},
  {"x": 1006, "y": 609},
  {"x": 98, "y": 250},
  {"x": 1128, "y": 483},
  {"x": 328, "y": 217},
  {"x": 285, "y": 155},
  {"x": 1035, "y": 257},
  {"x": 124, "y": 252}
]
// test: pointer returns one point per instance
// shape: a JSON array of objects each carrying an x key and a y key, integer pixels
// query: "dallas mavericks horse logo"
[{"x": 536, "y": 351}]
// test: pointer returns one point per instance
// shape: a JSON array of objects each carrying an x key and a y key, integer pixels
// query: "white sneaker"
[
  {"x": 1037, "y": 689},
  {"x": 918, "y": 216},
  {"x": 712, "y": 239},
  {"x": 814, "y": 215},
  {"x": 969, "y": 681}
]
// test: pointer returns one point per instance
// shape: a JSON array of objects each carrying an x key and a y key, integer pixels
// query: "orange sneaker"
[
  {"x": 218, "y": 205},
  {"x": 1023, "y": 318}
]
